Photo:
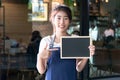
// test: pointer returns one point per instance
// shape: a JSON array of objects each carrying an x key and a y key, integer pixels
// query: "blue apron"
[{"x": 60, "y": 69}]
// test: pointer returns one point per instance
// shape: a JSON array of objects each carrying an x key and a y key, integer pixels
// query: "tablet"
[{"x": 73, "y": 47}]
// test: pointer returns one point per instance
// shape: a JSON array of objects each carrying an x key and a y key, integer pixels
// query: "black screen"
[{"x": 75, "y": 47}]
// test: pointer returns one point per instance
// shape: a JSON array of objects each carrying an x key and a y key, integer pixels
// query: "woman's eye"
[
  {"x": 58, "y": 18},
  {"x": 66, "y": 18}
]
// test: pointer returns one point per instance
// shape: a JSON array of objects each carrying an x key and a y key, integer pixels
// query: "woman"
[{"x": 49, "y": 58}]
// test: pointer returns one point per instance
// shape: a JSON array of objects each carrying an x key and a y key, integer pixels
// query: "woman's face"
[{"x": 61, "y": 22}]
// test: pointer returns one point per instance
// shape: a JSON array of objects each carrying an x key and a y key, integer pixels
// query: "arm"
[
  {"x": 80, "y": 63},
  {"x": 41, "y": 64},
  {"x": 42, "y": 57},
  {"x": 112, "y": 32}
]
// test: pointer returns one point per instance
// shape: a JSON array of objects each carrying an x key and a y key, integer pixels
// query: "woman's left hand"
[{"x": 92, "y": 50}]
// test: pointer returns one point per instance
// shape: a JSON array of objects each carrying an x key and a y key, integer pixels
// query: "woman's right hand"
[
  {"x": 46, "y": 52},
  {"x": 42, "y": 58}
]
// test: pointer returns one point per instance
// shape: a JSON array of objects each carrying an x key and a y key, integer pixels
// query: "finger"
[
  {"x": 91, "y": 46},
  {"x": 53, "y": 49},
  {"x": 92, "y": 53}
]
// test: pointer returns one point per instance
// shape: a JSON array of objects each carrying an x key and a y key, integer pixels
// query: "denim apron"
[{"x": 60, "y": 69}]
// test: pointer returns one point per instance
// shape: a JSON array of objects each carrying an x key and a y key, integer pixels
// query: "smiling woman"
[{"x": 48, "y": 59}]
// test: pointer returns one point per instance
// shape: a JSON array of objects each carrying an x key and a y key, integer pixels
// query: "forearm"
[
  {"x": 41, "y": 64},
  {"x": 81, "y": 64}
]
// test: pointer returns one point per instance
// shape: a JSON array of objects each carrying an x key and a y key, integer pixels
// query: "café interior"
[{"x": 19, "y": 18}]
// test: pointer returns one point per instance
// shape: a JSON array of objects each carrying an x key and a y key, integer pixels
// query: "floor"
[
  {"x": 103, "y": 75},
  {"x": 33, "y": 75},
  {"x": 107, "y": 78},
  {"x": 19, "y": 75}
]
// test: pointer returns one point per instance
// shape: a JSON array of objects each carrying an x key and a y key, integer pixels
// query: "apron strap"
[{"x": 52, "y": 41}]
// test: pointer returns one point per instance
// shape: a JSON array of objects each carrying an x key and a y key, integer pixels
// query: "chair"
[
  {"x": 26, "y": 71},
  {"x": 12, "y": 64}
]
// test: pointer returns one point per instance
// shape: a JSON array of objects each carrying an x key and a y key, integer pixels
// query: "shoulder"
[{"x": 46, "y": 39}]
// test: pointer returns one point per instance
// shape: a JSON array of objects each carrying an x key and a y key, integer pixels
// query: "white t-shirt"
[
  {"x": 46, "y": 41},
  {"x": 93, "y": 33},
  {"x": 109, "y": 32}
]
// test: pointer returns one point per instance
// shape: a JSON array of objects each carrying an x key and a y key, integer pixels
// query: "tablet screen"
[{"x": 75, "y": 46}]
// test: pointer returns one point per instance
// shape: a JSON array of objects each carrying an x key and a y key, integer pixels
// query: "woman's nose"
[{"x": 62, "y": 21}]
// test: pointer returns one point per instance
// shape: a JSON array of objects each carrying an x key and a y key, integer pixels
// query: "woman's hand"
[
  {"x": 42, "y": 58},
  {"x": 82, "y": 62},
  {"x": 92, "y": 50},
  {"x": 46, "y": 52}
]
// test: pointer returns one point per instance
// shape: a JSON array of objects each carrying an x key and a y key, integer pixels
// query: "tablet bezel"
[{"x": 62, "y": 57}]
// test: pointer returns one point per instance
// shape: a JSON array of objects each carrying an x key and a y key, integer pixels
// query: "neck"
[{"x": 58, "y": 35}]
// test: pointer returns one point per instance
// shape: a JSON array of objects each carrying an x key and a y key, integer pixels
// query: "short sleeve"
[{"x": 45, "y": 41}]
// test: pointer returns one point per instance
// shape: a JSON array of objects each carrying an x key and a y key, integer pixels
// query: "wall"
[
  {"x": 18, "y": 27},
  {"x": 45, "y": 28},
  {"x": 16, "y": 24}
]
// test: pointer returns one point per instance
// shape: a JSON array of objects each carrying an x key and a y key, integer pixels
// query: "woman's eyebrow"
[{"x": 61, "y": 16}]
